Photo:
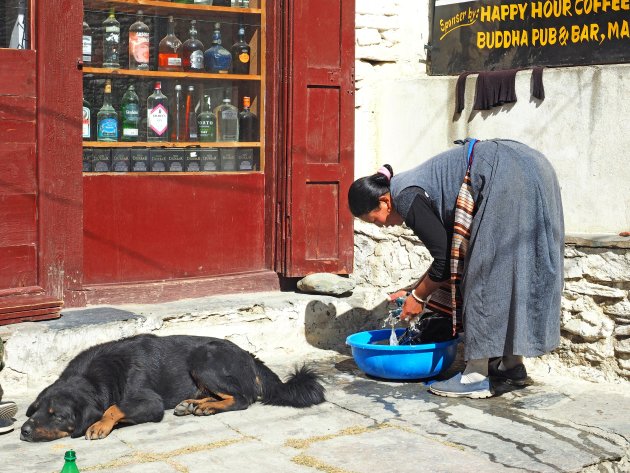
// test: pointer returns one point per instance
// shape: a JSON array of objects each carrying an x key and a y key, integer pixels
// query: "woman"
[{"x": 501, "y": 247}]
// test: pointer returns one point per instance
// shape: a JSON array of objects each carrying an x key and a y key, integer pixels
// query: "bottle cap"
[
  {"x": 246, "y": 102},
  {"x": 178, "y": 87},
  {"x": 158, "y": 85},
  {"x": 191, "y": 87},
  {"x": 70, "y": 456}
]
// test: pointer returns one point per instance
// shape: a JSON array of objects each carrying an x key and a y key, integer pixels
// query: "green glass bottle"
[
  {"x": 130, "y": 115},
  {"x": 107, "y": 118},
  {"x": 70, "y": 465},
  {"x": 206, "y": 122}
]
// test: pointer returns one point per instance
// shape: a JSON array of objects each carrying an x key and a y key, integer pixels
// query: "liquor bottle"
[
  {"x": 107, "y": 118},
  {"x": 157, "y": 115},
  {"x": 240, "y": 54},
  {"x": 191, "y": 51},
  {"x": 178, "y": 116},
  {"x": 168, "y": 57},
  {"x": 227, "y": 121},
  {"x": 70, "y": 465},
  {"x": 191, "y": 116},
  {"x": 111, "y": 41},
  {"x": 243, "y": 3},
  {"x": 247, "y": 123},
  {"x": 130, "y": 115},
  {"x": 202, "y": 2},
  {"x": 222, "y": 3},
  {"x": 206, "y": 122},
  {"x": 139, "y": 37},
  {"x": 87, "y": 44},
  {"x": 216, "y": 57},
  {"x": 87, "y": 121}
]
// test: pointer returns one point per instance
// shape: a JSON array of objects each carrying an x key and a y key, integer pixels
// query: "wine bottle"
[
  {"x": 139, "y": 37},
  {"x": 168, "y": 50},
  {"x": 157, "y": 115},
  {"x": 111, "y": 41}
]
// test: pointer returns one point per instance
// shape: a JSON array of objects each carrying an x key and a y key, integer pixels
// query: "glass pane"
[{"x": 14, "y": 24}]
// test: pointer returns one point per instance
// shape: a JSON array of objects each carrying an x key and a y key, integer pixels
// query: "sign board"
[{"x": 490, "y": 35}]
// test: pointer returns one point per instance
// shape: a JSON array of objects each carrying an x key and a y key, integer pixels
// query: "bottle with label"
[
  {"x": 111, "y": 41},
  {"x": 243, "y": 3},
  {"x": 87, "y": 44},
  {"x": 192, "y": 51},
  {"x": 206, "y": 122},
  {"x": 247, "y": 122},
  {"x": 191, "y": 116},
  {"x": 70, "y": 465},
  {"x": 157, "y": 115},
  {"x": 217, "y": 59},
  {"x": 87, "y": 121},
  {"x": 222, "y": 3},
  {"x": 139, "y": 37},
  {"x": 130, "y": 115},
  {"x": 241, "y": 53},
  {"x": 202, "y": 2},
  {"x": 168, "y": 55},
  {"x": 178, "y": 116},
  {"x": 227, "y": 121},
  {"x": 107, "y": 118}
]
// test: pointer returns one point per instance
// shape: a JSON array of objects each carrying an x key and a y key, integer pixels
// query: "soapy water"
[{"x": 393, "y": 318}]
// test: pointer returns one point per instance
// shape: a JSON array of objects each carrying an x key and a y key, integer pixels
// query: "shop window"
[{"x": 14, "y": 24}]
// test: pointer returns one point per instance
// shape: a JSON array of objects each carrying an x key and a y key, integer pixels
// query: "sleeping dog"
[{"x": 134, "y": 380}]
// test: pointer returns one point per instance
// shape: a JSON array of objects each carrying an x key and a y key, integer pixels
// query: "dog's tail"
[{"x": 301, "y": 389}]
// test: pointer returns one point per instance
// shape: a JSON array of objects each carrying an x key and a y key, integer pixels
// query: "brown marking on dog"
[
  {"x": 101, "y": 429},
  {"x": 208, "y": 406},
  {"x": 45, "y": 434}
]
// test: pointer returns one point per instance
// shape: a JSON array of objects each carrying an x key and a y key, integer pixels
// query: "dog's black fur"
[{"x": 135, "y": 379}]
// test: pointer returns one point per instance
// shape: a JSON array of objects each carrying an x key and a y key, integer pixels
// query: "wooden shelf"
[
  {"x": 174, "y": 75},
  {"x": 183, "y": 173},
  {"x": 171, "y": 144},
  {"x": 156, "y": 7}
]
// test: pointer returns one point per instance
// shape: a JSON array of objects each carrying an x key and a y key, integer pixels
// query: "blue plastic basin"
[{"x": 402, "y": 361}]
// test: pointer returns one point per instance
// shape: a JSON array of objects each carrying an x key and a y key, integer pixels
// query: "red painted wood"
[
  {"x": 154, "y": 227},
  {"x": 320, "y": 144},
  {"x": 18, "y": 267},
  {"x": 14, "y": 319},
  {"x": 151, "y": 292},
  {"x": 18, "y": 220},
  {"x": 59, "y": 85},
  {"x": 27, "y": 303},
  {"x": 17, "y": 72},
  {"x": 18, "y": 169}
]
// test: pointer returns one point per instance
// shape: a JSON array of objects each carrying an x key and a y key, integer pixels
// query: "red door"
[
  {"x": 39, "y": 210},
  {"x": 320, "y": 136}
]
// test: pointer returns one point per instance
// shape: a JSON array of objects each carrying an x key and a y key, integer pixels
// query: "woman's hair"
[{"x": 364, "y": 192}]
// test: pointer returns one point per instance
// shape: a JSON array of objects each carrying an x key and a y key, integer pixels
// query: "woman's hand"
[
  {"x": 410, "y": 309},
  {"x": 395, "y": 295}
]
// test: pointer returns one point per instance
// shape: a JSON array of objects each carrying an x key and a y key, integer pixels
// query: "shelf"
[
  {"x": 170, "y": 144},
  {"x": 196, "y": 173},
  {"x": 181, "y": 9},
  {"x": 175, "y": 75}
]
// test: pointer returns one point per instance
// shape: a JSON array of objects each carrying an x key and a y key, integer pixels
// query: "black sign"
[{"x": 491, "y": 35}]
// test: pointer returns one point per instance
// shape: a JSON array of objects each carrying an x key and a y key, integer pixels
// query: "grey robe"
[{"x": 513, "y": 273}]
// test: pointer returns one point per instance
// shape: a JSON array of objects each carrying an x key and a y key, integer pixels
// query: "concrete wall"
[{"x": 404, "y": 116}]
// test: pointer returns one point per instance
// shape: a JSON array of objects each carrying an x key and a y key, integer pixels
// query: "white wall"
[{"x": 404, "y": 116}]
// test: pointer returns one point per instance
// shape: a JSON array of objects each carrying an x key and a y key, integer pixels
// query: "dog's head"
[{"x": 64, "y": 409}]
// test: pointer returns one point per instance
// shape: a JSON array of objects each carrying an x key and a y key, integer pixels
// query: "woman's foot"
[
  {"x": 6, "y": 426},
  {"x": 459, "y": 386},
  {"x": 8, "y": 410},
  {"x": 515, "y": 375}
]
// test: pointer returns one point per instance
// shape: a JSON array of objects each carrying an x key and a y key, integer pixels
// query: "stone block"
[
  {"x": 620, "y": 309},
  {"x": 376, "y": 53},
  {"x": 607, "y": 266},
  {"x": 622, "y": 331},
  {"x": 325, "y": 283},
  {"x": 393, "y": 36},
  {"x": 589, "y": 325},
  {"x": 367, "y": 36},
  {"x": 363, "y": 70},
  {"x": 591, "y": 289},
  {"x": 573, "y": 268},
  {"x": 379, "y": 22},
  {"x": 623, "y": 346}
]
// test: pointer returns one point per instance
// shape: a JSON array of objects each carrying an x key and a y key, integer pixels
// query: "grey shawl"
[{"x": 513, "y": 273}]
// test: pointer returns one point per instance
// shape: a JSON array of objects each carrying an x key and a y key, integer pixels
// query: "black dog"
[{"x": 135, "y": 379}]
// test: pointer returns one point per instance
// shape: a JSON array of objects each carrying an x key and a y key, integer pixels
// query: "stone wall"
[{"x": 595, "y": 341}]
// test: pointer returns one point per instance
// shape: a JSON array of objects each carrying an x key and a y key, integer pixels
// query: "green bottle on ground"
[{"x": 70, "y": 466}]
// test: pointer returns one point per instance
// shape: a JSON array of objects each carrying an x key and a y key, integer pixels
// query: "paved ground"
[{"x": 554, "y": 425}]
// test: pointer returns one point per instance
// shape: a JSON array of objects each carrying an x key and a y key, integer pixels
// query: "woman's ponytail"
[{"x": 364, "y": 193}]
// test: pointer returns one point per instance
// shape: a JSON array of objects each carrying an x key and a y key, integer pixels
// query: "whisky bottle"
[
  {"x": 130, "y": 115},
  {"x": 217, "y": 59},
  {"x": 107, "y": 118},
  {"x": 168, "y": 51},
  {"x": 227, "y": 121},
  {"x": 87, "y": 44},
  {"x": 139, "y": 37},
  {"x": 191, "y": 116},
  {"x": 206, "y": 122},
  {"x": 157, "y": 115},
  {"x": 111, "y": 41},
  {"x": 178, "y": 116},
  {"x": 87, "y": 121},
  {"x": 241, "y": 54},
  {"x": 247, "y": 122},
  {"x": 192, "y": 51}
]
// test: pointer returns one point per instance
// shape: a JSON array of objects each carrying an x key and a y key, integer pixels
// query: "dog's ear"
[
  {"x": 87, "y": 415},
  {"x": 32, "y": 408}
]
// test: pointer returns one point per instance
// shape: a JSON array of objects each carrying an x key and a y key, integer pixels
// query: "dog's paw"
[
  {"x": 184, "y": 408},
  {"x": 98, "y": 430},
  {"x": 196, "y": 407}
]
